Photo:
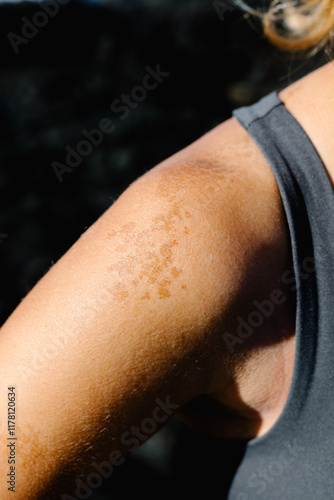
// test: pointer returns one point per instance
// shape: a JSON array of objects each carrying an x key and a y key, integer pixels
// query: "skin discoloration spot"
[
  {"x": 167, "y": 188},
  {"x": 141, "y": 258},
  {"x": 156, "y": 265},
  {"x": 176, "y": 272},
  {"x": 163, "y": 293},
  {"x": 165, "y": 282},
  {"x": 127, "y": 228},
  {"x": 152, "y": 268},
  {"x": 163, "y": 290},
  {"x": 166, "y": 221},
  {"x": 184, "y": 287},
  {"x": 119, "y": 292},
  {"x": 166, "y": 250}
]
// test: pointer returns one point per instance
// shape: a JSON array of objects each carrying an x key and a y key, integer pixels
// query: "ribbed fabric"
[{"x": 295, "y": 459}]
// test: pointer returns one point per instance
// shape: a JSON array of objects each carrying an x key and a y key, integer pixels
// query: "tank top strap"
[{"x": 308, "y": 200}]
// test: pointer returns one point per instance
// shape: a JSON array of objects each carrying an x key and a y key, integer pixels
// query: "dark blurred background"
[{"x": 60, "y": 78}]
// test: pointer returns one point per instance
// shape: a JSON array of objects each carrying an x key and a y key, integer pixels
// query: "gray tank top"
[{"x": 295, "y": 459}]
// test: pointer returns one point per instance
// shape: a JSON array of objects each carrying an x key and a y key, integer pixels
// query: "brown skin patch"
[
  {"x": 176, "y": 272},
  {"x": 166, "y": 221},
  {"x": 127, "y": 228},
  {"x": 165, "y": 282},
  {"x": 135, "y": 266},
  {"x": 119, "y": 292},
  {"x": 150, "y": 269},
  {"x": 163, "y": 293},
  {"x": 163, "y": 290},
  {"x": 166, "y": 250},
  {"x": 153, "y": 268}
]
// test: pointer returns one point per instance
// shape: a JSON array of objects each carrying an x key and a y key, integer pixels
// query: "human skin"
[
  {"x": 311, "y": 101},
  {"x": 136, "y": 310}
]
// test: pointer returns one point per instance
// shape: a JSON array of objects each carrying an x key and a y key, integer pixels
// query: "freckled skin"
[
  {"x": 156, "y": 264},
  {"x": 105, "y": 376},
  {"x": 176, "y": 272},
  {"x": 163, "y": 292},
  {"x": 167, "y": 221}
]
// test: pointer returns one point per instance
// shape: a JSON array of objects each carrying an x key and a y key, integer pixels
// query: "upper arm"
[{"x": 130, "y": 316}]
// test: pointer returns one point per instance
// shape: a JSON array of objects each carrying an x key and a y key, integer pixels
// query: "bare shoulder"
[
  {"x": 225, "y": 181},
  {"x": 231, "y": 186},
  {"x": 140, "y": 306},
  {"x": 310, "y": 100},
  {"x": 221, "y": 198}
]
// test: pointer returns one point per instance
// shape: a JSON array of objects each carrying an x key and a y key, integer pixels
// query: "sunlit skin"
[
  {"x": 311, "y": 101},
  {"x": 137, "y": 308}
]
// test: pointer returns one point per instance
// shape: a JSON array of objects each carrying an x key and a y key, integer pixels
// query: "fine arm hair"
[{"x": 127, "y": 326}]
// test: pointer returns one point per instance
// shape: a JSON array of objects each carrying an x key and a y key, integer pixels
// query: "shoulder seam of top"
[{"x": 265, "y": 115}]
